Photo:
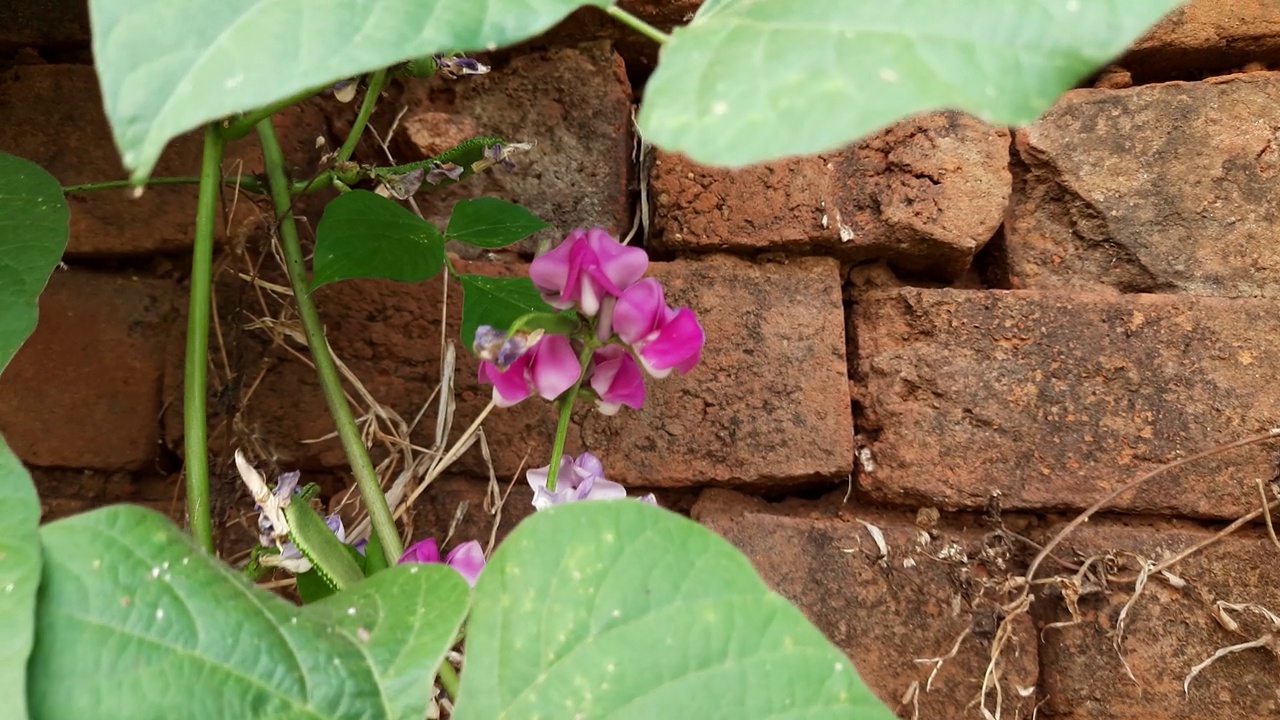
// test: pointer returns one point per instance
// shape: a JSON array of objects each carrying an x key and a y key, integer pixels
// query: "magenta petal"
[
  {"x": 467, "y": 559},
  {"x": 617, "y": 380},
  {"x": 678, "y": 346},
  {"x": 555, "y": 366},
  {"x": 510, "y": 385},
  {"x": 639, "y": 310},
  {"x": 423, "y": 551},
  {"x": 622, "y": 266},
  {"x": 557, "y": 273}
]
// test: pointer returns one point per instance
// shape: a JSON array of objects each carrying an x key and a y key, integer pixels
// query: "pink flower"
[
  {"x": 664, "y": 338},
  {"x": 616, "y": 379},
  {"x": 467, "y": 558},
  {"x": 584, "y": 269},
  {"x": 549, "y": 368}
]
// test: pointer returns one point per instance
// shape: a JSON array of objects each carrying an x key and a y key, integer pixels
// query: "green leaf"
[
  {"x": 168, "y": 66},
  {"x": 34, "y": 225},
  {"x": 19, "y": 578},
  {"x": 135, "y": 621},
  {"x": 755, "y": 80},
  {"x": 497, "y": 302},
  {"x": 623, "y": 610},
  {"x": 410, "y": 616},
  {"x": 488, "y": 222},
  {"x": 364, "y": 235}
]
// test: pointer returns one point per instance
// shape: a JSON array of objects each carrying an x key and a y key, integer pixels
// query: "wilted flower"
[
  {"x": 549, "y": 368},
  {"x": 500, "y": 154},
  {"x": 402, "y": 187},
  {"x": 665, "y": 339},
  {"x": 344, "y": 91},
  {"x": 467, "y": 558},
  {"x": 616, "y": 380},
  {"x": 443, "y": 171},
  {"x": 581, "y": 479},
  {"x": 587, "y": 267},
  {"x": 495, "y": 346},
  {"x": 455, "y": 66}
]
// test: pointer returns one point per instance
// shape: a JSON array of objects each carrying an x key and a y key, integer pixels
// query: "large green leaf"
[
  {"x": 135, "y": 621},
  {"x": 623, "y": 610},
  {"x": 364, "y": 235},
  {"x": 34, "y": 225},
  {"x": 754, "y": 80},
  {"x": 497, "y": 302},
  {"x": 167, "y": 66},
  {"x": 409, "y": 616},
  {"x": 490, "y": 222},
  {"x": 19, "y": 578}
]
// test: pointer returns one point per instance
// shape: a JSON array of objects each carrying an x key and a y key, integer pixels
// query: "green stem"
[
  {"x": 195, "y": 436},
  {"x": 366, "y": 109},
  {"x": 448, "y": 679},
  {"x": 566, "y": 412},
  {"x": 243, "y": 125},
  {"x": 250, "y": 184},
  {"x": 330, "y": 382},
  {"x": 637, "y": 24}
]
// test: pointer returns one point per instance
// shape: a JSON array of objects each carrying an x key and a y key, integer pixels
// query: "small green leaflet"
[
  {"x": 364, "y": 235},
  {"x": 489, "y": 222},
  {"x": 497, "y": 302}
]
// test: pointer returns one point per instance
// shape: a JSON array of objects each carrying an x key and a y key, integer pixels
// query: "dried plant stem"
[{"x": 357, "y": 455}]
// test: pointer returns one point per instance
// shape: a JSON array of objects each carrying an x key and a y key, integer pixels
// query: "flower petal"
[
  {"x": 554, "y": 367},
  {"x": 620, "y": 265},
  {"x": 617, "y": 379},
  {"x": 678, "y": 345},
  {"x": 510, "y": 385},
  {"x": 639, "y": 311},
  {"x": 467, "y": 559},
  {"x": 423, "y": 551}
]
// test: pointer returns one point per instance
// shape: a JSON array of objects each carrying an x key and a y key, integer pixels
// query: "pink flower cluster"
[{"x": 632, "y": 327}]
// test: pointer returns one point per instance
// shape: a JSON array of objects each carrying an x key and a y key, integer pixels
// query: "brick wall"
[{"x": 926, "y": 352}]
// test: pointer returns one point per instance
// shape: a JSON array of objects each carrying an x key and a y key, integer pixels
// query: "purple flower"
[
  {"x": 616, "y": 380},
  {"x": 495, "y": 346},
  {"x": 454, "y": 67},
  {"x": 549, "y": 368},
  {"x": 587, "y": 267},
  {"x": 467, "y": 558},
  {"x": 286, "y": 487},
  {"x": 664, "y": 338},
  {"x": 582, "y": 479}
]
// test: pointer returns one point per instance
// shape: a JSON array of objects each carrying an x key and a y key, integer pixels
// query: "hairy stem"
[
  {"x": 637, "y": 24},
  {"x": 195, "y": 430},
  {"x": 330, "y": 382},
  {"x": 371, "y": 94},
  {"x": 250, "y": 184}
]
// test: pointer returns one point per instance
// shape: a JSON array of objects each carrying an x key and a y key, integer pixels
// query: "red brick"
[
  {"x": 927, "y": 194},
  {"x": 84, "y": 392},
  {"x": 573, "y": 103},
  {"x": 52, "y": 115},
  {"x": 1208, "y": 35},
  {"x": 769, "y": 402},
  {"x": 1167, "y": 631},
  {"x": 888, "y": 613},
  {"x": 44, "y": 23},
  {"x": 1159, "y": 188},
  {"x": 69, "y": 492},
  {"x": 1050, "y": 400}
]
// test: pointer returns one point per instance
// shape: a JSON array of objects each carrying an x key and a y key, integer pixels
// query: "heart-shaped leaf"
[
  {"x": 34, "y": 225},
  {"x": 19, "y": 578},
  {"x": 167, "y": 66},
  {"x": 497, "y": 302},
  {"x": 364, "y": 235},
  {"x": 135, "y": 621},
  {"x": 623, "y": 610},
  {"x": 754, "y": 80},
  {"x": 489, "y": 222}
]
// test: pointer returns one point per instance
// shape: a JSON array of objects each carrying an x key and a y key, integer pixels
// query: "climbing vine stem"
[{"x": 330, "y": 382}]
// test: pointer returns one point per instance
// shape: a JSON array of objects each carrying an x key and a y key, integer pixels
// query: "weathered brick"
[
  {"x": 1167, "y": 631},
  {"x": 1159, "y": 188},
  {"x": 927, "y": 194},
  {"x": 70, "y": 492},
  {"x": 1051, "y": 400},
  {"x": 52, "y": 115},
  {"x": 573, "y": 103},
  {"x": 889, "y": 612},
  {"x": 1208, "y": 36},
  {"x": 768, "y": 404},
  {"x": 43, "y": 23},
  {"x": 84, "y": 392}
]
